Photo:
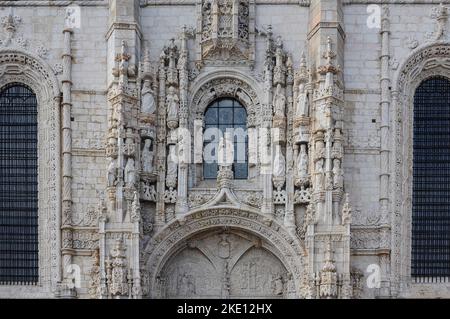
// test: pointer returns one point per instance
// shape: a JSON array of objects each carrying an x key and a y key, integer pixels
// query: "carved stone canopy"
[{"x": 225, "y": 31}]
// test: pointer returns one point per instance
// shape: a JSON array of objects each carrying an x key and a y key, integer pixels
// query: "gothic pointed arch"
[
  {"x": 425, "y": 62},
  {"x": 21, "y": 67}
]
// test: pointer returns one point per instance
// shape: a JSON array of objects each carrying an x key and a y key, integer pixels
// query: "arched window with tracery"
[
  {"x": 431, "y": 179},
  {"x": 221, "y": 116},
  {"x": 18, "y": 185}
]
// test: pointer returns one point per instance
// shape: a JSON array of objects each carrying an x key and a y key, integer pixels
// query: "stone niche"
[{"x": 224, "y": 264}]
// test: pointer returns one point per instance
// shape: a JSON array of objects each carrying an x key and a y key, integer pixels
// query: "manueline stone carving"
[
  {"x": 148, "y": 105},
  {"x": 130, "y": 173},
  {"x": 302, "y": 162},
  {"x": 172, "y": 104},
  {"x": 302, "y": 108},
  {"x": 279, "y": 164},
  {"x": 147, "y": 157},
  {"x": 279, "y": 102},
  {"x": 112, "y": 173}
]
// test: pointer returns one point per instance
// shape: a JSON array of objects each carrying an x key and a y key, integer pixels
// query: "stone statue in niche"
[
  {"x": 130, "y": 173},
  {"x": 172, "y": 101},
  {"x": 172, "y": 167},
  {"x": 338, "y": 176},
  {"x": 148, "y": 105},
  {"x": 302, "y": 162},
  {"x": 302, "y": 102},
  {"x": 112, "y": 173},
  {"x": 147, "y": 157},
  {"x": 279, "y": 101},
  {"x": 279, "y": 163},
  {"x": 129, "y": 146},
  {"x": 320, "y": 148},
  {"x": 319, "y": 174}
]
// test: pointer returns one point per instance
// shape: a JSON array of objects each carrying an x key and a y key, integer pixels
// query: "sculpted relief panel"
[
  {"x": 190, "y": 274},
  {"x": 224, "y": 265},
  {"x": 258, "y": 273}
]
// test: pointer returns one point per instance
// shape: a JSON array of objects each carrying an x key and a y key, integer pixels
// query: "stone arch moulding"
[
  {"x": 233, "y": 84},
  {"x": 176, "y": 235},
  {"x": 432, "y": 59},
  {"x": 18, "y": 66}
]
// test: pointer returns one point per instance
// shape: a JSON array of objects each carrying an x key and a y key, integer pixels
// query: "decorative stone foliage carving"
[
  {"x": 117, "y": 270},
  {"x": 279, "y": 196},
  {"x": 94, "y": 274},
  {"x": 328, "y": 277},
  {"x": 199, "y": 198},
  {"x": 365, "y": 238},
  {"x": 302, "y": 196},
  {"x": 250, "y": 198},
  {"x": 170, "y": 196}
]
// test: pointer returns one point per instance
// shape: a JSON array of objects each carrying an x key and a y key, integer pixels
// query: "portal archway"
[
  {"x": 224, "y": 263},
  {"x": 225, "y": 243}
]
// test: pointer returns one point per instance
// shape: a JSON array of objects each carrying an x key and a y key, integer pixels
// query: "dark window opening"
[
  {"x": 431, "y": 180},
  {"x": 18, "y": 186},
  {"x": 223, "y": 115}
]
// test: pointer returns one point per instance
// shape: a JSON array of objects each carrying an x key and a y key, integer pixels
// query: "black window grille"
[
  {"x": 18, "y": 186},
  {"x": 226, "y": 115},
  {"x": 431, "y": 180}
]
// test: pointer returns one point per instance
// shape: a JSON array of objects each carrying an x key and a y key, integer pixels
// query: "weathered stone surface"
[{"x": 163, "y": 227}]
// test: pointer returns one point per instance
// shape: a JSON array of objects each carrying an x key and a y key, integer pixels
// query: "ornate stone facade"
[{"x": 121, "y": 123}]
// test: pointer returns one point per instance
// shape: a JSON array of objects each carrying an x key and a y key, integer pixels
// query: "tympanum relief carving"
[{"x": 224, "y": 265}]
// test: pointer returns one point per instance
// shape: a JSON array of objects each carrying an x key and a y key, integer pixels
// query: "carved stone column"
[
  {"x": 385, "y": 83},
  {"x": 66, "y": 226}
]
